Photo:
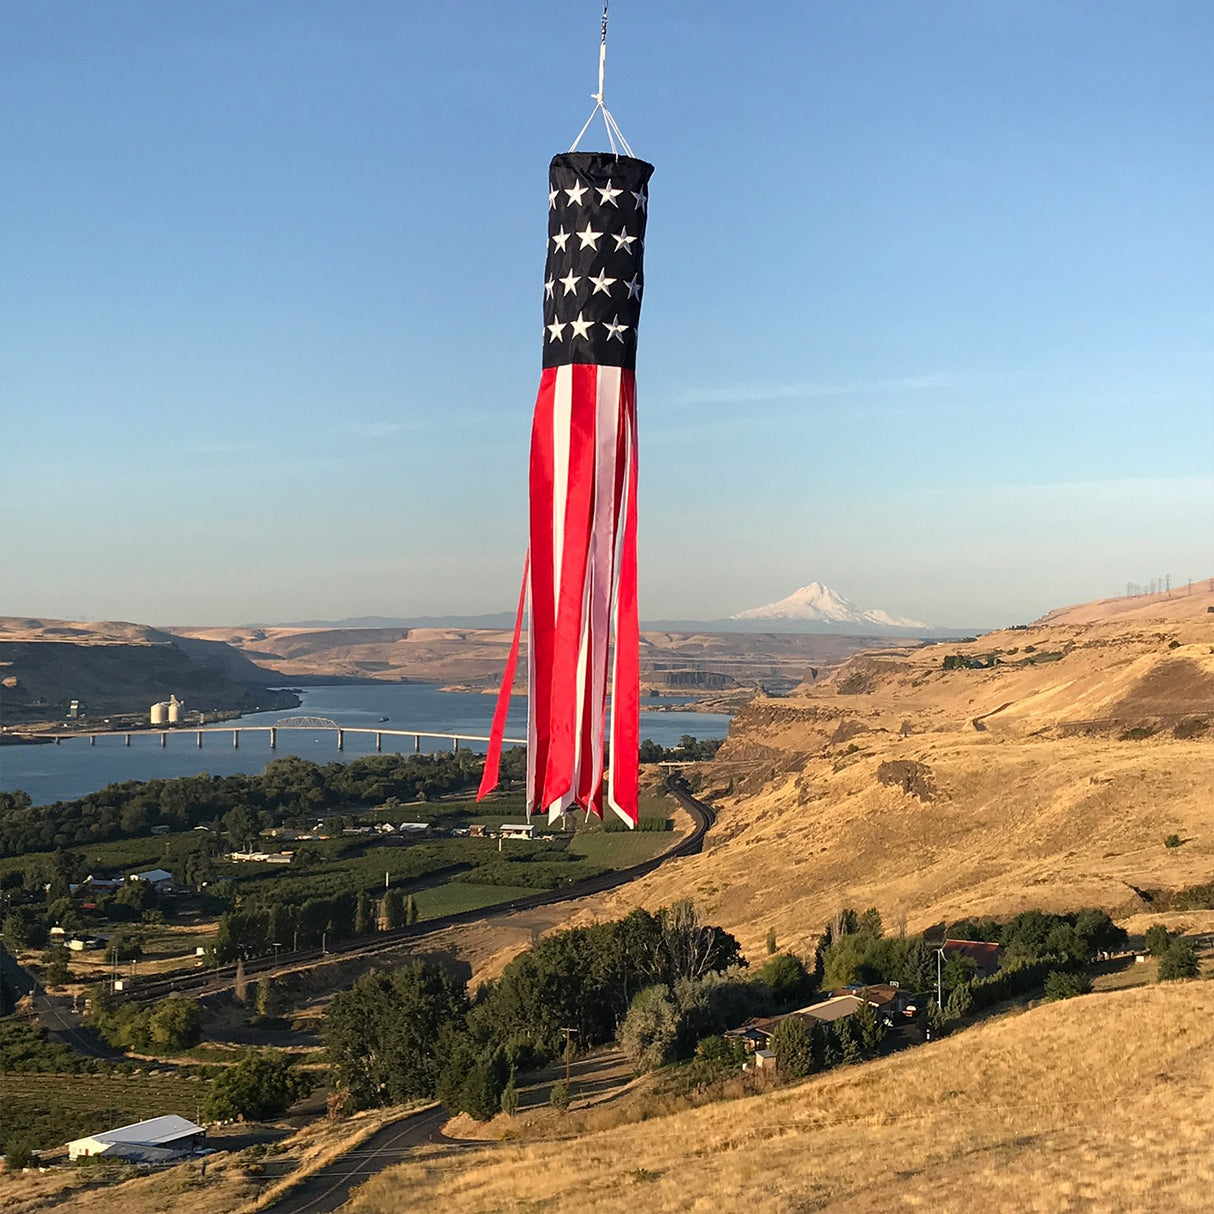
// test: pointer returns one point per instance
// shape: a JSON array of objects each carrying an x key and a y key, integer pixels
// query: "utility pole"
[{"x": 939, "y": 978}]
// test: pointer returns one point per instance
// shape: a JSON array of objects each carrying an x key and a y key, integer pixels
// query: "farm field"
[{"x": 49, "y": 1110}]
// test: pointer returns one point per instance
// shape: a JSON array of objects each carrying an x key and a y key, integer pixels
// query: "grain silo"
[
  {"x": 176, "y": 710},
  {"x": 160, "y": 713}
]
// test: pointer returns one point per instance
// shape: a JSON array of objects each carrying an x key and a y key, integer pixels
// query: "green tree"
[
  {"x": 787, "y": 978},
  {"x": 1180, "y": 961},
  {"x": 871, "y": 1028},
  {"x": 1158, "y": 939},
  {"x": 392, "y": 909},
  {"x": 510, "y": 1096},
  {"x": 175, "y": 1023},
  {"x": 771, "y": 942},
  {"x": 387, "y": 1035},
  {"x": 14, "y": 933},
  {"x": 793, "y": 1045},
  {"x": 560, "y": 1096},
  {"x": 651, "y": 1029},
  {"x": 55, "y": 966},
  {"x": 364, "y": 914},
  {"x": 263, "y": 1084}
]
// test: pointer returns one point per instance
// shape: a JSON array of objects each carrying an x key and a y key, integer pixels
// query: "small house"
[
  {"x": 517, "y": 830},
  {"x": 157, "y": 878},
  {"x": 983, "y": 953}
]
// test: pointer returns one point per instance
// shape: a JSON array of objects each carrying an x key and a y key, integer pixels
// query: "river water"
[{"x": 74, "y": 768}]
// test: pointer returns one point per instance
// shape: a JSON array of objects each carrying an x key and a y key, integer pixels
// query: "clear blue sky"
[{"x": 929, "y": 311}]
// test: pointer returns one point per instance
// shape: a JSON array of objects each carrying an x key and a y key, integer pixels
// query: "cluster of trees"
[
  {"x": 802, "y": 1047},
  {"x": 263, "y": 1084},
  {"x": 170, "y": 1025},
  {"x": 287, "y": 792},
  {"x": 253, "y": 930},
  {"x": 415, "y": 1033},
  {"x": 689, "y": 748},
  {"x": 1177, "y": 956}
]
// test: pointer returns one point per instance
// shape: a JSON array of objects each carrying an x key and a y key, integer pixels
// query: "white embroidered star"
[
  {"x": 555, "y": 330},
  {"x": 607, "y": 194},
  {"x": 575, "y": 195},
  {"x": 589, "y": 238},
  {"x": 581, "y": 328},
  {"x": 623, "y": 240},
  {"x": 641, "y": 197},
  {"x": 615, "y": 329},
  {"x": 570, "y": 282},
  {"x": 552, "y": 198},
  {"x": 548, "y": 288},
  {"x": 602, "y": 283},
  {"x": 561, "y": 238},
  {"x": 634, "y": 287}
]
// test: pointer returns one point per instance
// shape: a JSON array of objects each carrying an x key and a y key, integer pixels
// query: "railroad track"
[{"x": 211, "y": 981}]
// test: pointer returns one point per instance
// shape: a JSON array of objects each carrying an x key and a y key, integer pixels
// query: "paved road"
[
  {"x": 330, "y": 1187},
  {"x": 55, "y": 1014}
]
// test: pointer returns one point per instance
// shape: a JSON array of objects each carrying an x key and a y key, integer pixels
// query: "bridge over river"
[{"x": 313, "y": 724}]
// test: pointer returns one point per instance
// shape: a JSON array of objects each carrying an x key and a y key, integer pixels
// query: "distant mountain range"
[{"x": 813, "y": 608}]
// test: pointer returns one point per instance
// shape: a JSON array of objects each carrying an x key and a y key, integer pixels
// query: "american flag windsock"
[{"x": 582, "y": 561}]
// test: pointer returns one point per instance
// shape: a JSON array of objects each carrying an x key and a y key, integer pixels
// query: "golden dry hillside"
[
  {"x": 1100, "y": 1103},
  {"x": 1041, "y": 766}
]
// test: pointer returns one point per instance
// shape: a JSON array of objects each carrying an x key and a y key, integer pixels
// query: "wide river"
[{"x": 73, "y": 768}]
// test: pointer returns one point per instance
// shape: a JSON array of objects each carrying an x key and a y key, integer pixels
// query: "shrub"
[
  {"x": 1193, "y": 727},
  {"x": 1059, "y": 984},
  {"x": 560, "y": 1095},
  {"x": 1173, "y": 841},
  {"x": 18, "y": 1155}
]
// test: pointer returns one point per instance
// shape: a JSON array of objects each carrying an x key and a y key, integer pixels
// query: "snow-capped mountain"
[{"x": 820, "y": 604}]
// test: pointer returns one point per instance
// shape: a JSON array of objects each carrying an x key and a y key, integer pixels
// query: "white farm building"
[{"x": 154, "y": 1141}]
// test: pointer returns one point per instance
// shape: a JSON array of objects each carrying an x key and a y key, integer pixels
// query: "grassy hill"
[
  {"x": 1042, "y": 766},
  {"x": 1100, "y": 1103},
  {"x": 117, "y": 667}
]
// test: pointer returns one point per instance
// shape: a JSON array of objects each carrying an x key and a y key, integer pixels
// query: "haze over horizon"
[{"x": 929, "y": 312}]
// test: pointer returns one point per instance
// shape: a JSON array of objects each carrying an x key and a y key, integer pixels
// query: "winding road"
[{"x": 329, "y": 1188}]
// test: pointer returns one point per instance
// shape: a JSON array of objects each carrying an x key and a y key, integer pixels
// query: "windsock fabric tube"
[{"x": 581, "y": 580}]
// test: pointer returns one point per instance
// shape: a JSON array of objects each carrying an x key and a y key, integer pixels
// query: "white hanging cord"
[{"x": 613, "y": 129}]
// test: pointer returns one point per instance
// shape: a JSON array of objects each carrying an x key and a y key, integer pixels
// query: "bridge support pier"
[
  {"x": 200, "y": 739},
  {"x": 58, "y": 739},
  {"x": 417, "y": 743},
  {"x": 379, "y": 742},
  {"x": 92, "y": 739},
  {"x": 454, "y": 745},
  {"x": 341, "y": 739},
  {"x": 235, "y": 739},
  {"x": 273, "y": 738},
  {"x": 128, "y": 739},
  {"x": 164, "y": 740}
]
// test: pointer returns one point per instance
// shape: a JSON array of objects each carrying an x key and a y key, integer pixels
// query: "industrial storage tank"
[
  {"x": 160, "y": 713},
  {"x": 176, "y": 710}
]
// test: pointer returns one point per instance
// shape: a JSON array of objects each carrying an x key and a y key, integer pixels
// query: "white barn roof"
[{"x": 156, "y": 1132}]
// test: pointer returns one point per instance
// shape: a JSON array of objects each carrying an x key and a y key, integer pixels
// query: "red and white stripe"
[{"x": 583, "y": 592}]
